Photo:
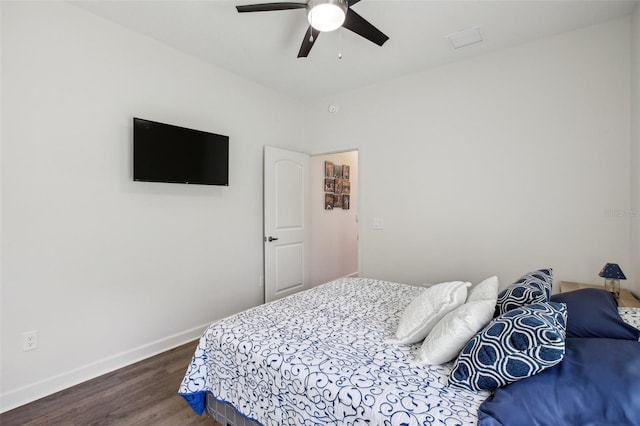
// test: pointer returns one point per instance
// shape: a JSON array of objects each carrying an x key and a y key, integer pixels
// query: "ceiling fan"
[{"x": 324, "y": 16}]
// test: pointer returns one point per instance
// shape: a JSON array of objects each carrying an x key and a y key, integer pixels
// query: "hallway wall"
[{"x": 334, "y": 233}]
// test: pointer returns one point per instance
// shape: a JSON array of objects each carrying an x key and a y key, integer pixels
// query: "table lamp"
[{"x": 612, "y": 275}]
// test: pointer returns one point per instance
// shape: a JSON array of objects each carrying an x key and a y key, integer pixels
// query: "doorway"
[{"x": 334, "y": 231}]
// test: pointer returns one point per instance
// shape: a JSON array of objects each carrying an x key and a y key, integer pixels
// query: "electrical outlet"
[{"x": 29, "y": 340}]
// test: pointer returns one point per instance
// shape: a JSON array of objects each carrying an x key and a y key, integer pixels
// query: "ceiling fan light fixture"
[{"x": 327, "y": 15}]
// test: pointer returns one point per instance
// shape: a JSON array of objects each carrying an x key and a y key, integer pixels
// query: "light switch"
[{"x": 378, "y": 223}]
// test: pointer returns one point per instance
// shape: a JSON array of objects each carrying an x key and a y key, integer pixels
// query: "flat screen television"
[{"x": 167, "y": 153}]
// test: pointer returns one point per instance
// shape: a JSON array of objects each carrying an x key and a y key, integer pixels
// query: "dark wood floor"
[{"x": 144, "y": 393}]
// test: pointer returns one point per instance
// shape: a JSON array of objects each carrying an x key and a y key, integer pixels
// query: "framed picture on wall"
[
  {"x": 329, "y": 185},
  {"x": 328, "y": 201},
  {"x": 346, "y": 187},
  {"x": 338, "y": 186},
  {"x": 346, "y": 200},
  {"x": 337, "y": 201},
  {"x": 345, "y": 172},
  {"x": 337, "y": 171},
  {"x": 328, "y": 169}
]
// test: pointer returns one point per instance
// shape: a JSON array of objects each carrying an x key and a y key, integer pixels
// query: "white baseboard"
[
  {"x": 34, "y": 391},
  {"x": 352, "y": 275}
]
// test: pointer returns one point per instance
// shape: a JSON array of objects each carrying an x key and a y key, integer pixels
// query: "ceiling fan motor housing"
[{"x": 326, "y": 15}]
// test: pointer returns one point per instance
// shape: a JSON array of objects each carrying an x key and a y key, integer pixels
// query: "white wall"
[
  {"x": 106, "y": 269},
  {"x": 634, "y": 279},
  {"x": 334, "y": 233},
  {"x": 495, "y": 165}
]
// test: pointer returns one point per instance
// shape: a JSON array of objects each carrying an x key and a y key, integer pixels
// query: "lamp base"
[{"x": 612, "y": 285}]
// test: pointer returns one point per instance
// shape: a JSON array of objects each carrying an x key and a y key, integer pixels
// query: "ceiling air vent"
[{"x": 465, "y": 37}]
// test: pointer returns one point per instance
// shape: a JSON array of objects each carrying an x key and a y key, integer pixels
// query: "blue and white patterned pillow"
[
  {"x": 534, "y": 287},
  {"x": 516, "y": 345}
]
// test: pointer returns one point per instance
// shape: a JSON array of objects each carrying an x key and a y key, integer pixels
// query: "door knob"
[{"x": 272, "y": 239}]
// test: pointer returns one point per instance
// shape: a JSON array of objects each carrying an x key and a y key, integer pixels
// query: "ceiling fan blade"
[
  {"x": 268, "y": 7},
  {"x": 352, "y": 2},
  {"x": 362, "y": 27},
  {"x": 308, "y": 41}
]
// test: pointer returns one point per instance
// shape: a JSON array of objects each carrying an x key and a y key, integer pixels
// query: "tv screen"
[{"x": 167, "y": 153}]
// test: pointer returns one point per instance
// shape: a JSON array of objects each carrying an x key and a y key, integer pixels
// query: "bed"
[{"x": 331, "y": 355}]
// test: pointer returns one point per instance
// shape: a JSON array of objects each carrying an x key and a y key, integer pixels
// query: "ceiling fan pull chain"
[
  {"x": 310, "y": 27},
  {"x": 340, "y": 43}
]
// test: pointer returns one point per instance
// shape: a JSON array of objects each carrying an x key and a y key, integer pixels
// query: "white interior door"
[{"x": 286, "y": 224}]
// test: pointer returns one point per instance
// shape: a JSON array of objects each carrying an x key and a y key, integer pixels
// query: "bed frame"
[{"x": 225, "y": 414}]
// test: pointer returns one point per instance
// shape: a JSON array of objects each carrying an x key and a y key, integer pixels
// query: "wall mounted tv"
[{"x": 167, "y": 153}]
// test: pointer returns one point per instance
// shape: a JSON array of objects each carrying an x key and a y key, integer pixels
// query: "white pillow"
[
  {"x": 428, "y": 308},
  {"x": 486, "y": 290},
  {"x": 451, "y": 333}
]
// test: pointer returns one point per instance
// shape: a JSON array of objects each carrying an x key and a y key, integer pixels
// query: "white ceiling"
[{"x": 263, "y": 46}]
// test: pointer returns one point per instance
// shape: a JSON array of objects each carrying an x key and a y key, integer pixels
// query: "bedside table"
[{"x": 625, "y": 300}]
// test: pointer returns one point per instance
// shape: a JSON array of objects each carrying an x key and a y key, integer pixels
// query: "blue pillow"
[
  {"x": 534, "y": 287},
  {"x": 516, "y": 345},
  {"x": 597, "y": 383},
  {"x": 594, "y": 313}
]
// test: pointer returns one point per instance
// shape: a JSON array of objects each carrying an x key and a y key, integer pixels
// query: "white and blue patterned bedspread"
[
  {"x": 630, "y": 316},
  {"x": 325, "y": 356}
]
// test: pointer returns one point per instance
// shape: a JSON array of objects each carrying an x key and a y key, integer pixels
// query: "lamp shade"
[
  {"x": 612, "y": 270},
  {"x": 327, "y": 15}
]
